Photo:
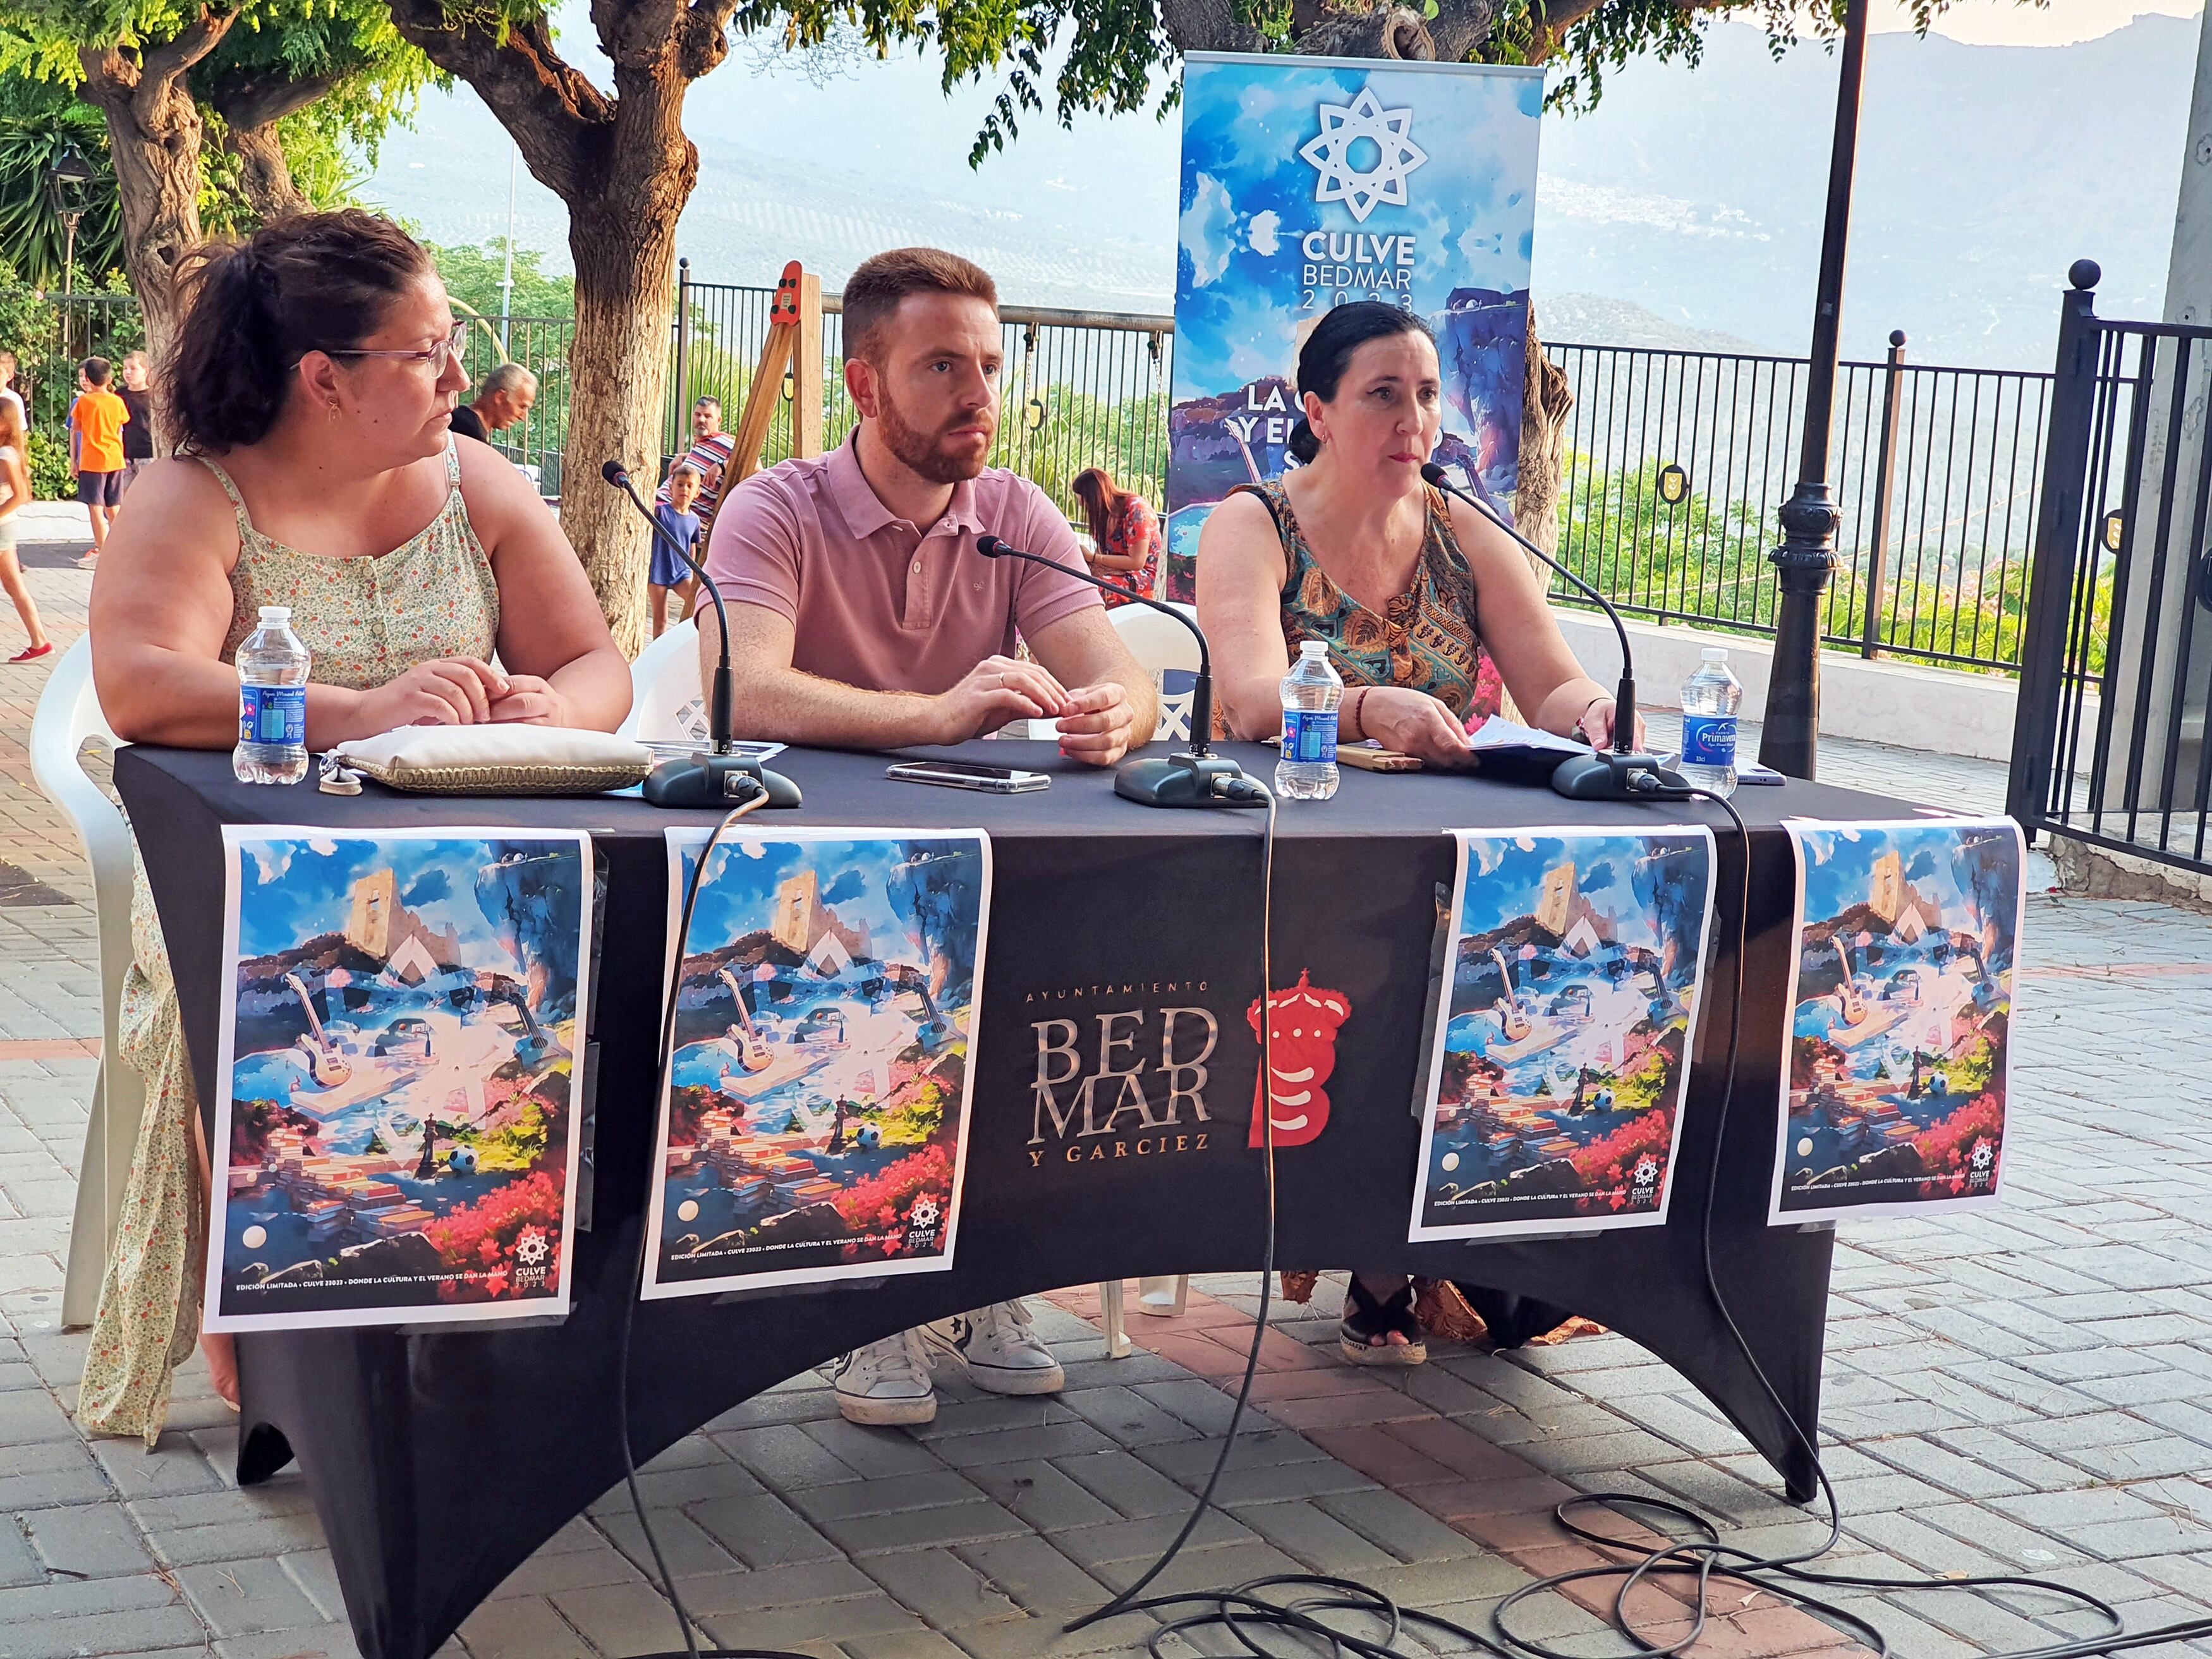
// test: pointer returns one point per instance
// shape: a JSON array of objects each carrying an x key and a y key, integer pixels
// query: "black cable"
[
  {"x": 1127, "y": 1598},
  {"x": 684, "y": 1622},
  {"x": 1242, "y": 1610}
]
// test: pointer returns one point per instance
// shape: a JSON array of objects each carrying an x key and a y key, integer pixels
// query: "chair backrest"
[
  {"x": 67, "y": 715},
  {"x": 665, "y": 704},
  {"x": 1166, "y": 650}
]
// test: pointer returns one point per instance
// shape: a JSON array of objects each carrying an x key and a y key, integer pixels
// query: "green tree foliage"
[
  {"x": 471, "y": 275},
  {"x": 38, "y": 119}
]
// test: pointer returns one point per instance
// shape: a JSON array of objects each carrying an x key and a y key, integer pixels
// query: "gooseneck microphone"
[
  {"x": 715, "y": 776},
  {"x": 1623, "y": 773},
  {"x": 1197, "y": 777}
]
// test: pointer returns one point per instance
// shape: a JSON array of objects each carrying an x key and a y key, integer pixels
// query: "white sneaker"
[
  {"x": 885, "y": 1382},
  {"x": 995, "y": 1347}
]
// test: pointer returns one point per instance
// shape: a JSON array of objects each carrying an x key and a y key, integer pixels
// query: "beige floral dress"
[{"x": 366, "y": 621}]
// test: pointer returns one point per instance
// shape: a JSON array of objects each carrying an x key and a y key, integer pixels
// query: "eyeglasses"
[{"x": 437, "y": 356}]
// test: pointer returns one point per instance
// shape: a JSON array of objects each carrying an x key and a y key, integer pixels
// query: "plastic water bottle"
[
  {"x": 1710, "y": 699},
  {"x": 1311, "y": 691},
  {"x": 272, "y": 702}
]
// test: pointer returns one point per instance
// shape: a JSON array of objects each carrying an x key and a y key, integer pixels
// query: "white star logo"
[{"x": 1344, "y": 125}]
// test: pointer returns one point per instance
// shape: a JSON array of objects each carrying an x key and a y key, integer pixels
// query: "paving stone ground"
[{"x": 2025, "y": 1390}]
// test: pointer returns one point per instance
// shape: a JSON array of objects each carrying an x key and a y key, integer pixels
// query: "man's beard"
[{"x": 921, "y": 452}]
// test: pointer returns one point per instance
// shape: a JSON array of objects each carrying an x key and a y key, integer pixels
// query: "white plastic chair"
[
  {"x": 664, "y": 687},
  {"x": 1162, "y": 647},
  {"x": 67, "y": 716}
]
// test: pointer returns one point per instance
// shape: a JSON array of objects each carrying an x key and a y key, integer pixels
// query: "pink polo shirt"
[{"x": 872, "y": 601}]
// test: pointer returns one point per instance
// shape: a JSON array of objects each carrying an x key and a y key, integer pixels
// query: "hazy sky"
[{"x": 2009, "y": 23}]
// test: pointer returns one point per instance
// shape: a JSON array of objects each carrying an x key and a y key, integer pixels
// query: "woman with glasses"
[{"x": 310, "y": 392}]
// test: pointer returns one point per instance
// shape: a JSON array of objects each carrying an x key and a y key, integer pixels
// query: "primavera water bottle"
[
  {"x": 1311, "y": 691},
  {"x": 272, "y": 702},
  {"x": 1710, "y": 699}
]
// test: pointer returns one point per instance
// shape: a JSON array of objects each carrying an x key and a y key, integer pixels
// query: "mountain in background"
[{"x": 1685, "y": 210}]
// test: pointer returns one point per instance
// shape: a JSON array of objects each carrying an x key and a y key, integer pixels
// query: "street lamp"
[
  {"x": 1805, "y": 561},
  {"x": 66, "y": 177}
]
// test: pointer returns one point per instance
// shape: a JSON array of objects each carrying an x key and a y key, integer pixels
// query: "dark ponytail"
[
  {"x": 250, "y": 310},
  {"x": 1328, "y": 353}
]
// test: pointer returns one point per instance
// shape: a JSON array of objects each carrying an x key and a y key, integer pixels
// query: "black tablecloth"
[{"x": 438, "y": 1463}]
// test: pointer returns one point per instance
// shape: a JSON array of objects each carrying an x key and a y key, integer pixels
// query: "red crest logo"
[{"x": 1302, "y": 1026}]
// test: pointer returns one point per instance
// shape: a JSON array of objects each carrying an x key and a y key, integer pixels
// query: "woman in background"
[
  {"x": 311, "y": 390},
  {"x": 14, "y": 490},
  {"x": 1125, "y": 535}
]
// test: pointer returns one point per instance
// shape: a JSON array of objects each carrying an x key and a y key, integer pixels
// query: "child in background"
[
  {"x": 16, "y": 482},
  {"x": 670, "y": 574},
  {"x": 139, "y": 436},
  {"x": 96, "y": 421}
]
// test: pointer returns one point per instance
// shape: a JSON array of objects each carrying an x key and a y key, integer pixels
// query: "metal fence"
[
  {"x": 1676, "y": 458},
  {"x": 2109, "y": 743},
  {"x": 56, "y": 334}
]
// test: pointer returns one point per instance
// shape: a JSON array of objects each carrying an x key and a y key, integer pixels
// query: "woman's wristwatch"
[{"x": 1581, "y": 721}]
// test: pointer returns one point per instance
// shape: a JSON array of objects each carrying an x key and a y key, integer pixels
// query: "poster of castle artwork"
[
  {"x": 1309, "y": 183},
  {"x": 1560, "y": 1049},
  {"x": 1900, "y": 1013},
  {"x": 396, "y": 1139},
  {"x": 815, "y": 1122}
]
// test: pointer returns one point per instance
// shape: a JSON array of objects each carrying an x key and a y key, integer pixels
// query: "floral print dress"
[
  {"x": 366, "y": 621},
  {"x": 1424, "y": 640},
  {"x": 1136, "y": 537}
]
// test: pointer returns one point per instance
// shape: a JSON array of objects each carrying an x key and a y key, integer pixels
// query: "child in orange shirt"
[{"x": 96, "y": 420}]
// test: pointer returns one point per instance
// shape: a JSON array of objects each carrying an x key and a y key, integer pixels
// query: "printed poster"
[
  {"x": 815, "y": 1124},
  {"x": 1311, "y": 182},
  {"x": 400, "y": 1023},
  {"x": 1560, "y": 1051},
  {"x": 1900, "y": 998}
]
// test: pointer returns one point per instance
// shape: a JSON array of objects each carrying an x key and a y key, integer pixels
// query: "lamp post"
[
  {"x": 1805, "y": 561},
  {"x": 66, "y": 177}
]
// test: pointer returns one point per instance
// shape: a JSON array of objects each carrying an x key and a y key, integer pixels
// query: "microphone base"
[
  {"x": 1608, "y": 776},
  {"x": 1185, "y": 780},
  {"x": 711, "y": 780}
]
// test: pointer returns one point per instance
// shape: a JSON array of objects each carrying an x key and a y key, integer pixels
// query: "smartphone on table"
[{"x": 969, "y": 775}]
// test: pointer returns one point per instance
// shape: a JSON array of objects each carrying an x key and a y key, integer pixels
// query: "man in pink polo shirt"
[{"x": 861, "y": 616}]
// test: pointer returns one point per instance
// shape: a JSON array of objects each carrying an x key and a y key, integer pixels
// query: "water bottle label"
[
  {"x": 1309, "y": 736},
  {"x": 273, "y": 714},
  {"x": 1709, "y": 739}
]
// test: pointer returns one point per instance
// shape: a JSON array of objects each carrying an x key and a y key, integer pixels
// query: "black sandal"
[{"x": 1365, "y": 1320}]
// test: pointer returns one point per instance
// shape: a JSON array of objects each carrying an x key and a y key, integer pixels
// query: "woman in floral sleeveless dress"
[
  {"x": 1429, "y": 612},
  {"x": 309, "y": 393}
]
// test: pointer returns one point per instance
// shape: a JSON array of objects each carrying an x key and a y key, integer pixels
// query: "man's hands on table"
[{"x": 1094, "y": 721}]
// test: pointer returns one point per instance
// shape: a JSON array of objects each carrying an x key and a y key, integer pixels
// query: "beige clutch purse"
[{"x": 498, "y": 760}]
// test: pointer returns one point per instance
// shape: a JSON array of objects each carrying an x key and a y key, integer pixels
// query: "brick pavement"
[{"x": 2025, "y": 1390}]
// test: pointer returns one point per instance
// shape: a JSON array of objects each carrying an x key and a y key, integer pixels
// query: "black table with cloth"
[{"x": 438, "y": 1463}]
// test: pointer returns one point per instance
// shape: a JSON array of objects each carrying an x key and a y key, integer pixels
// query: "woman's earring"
[{"x": 335, "y": 410}]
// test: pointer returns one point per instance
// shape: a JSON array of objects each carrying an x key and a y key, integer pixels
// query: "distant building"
[
  {"x": 387, "y": 930},
  {"x": 803, "y": 922}
]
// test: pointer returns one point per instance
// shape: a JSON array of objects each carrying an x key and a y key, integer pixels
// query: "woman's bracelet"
[
  {"x": 1582, "y": 720},
  {"x": 1356, "y": 698}
]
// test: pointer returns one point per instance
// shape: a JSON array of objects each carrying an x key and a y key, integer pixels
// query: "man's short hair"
[
  {"x": 96, "y": 370},
  {"x": 874, "y": 290},
  {"x": 508, "y": 377},
  {"x": 712, "y": 403}
]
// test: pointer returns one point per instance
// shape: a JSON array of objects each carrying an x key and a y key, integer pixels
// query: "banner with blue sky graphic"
[{"x": 1311, "y": 182}]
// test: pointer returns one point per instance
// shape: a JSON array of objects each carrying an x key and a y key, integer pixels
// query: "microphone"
[
  {"x": 1623, "y": 773},
  {"x": 716, "y": 776},
  {"x": 1196, "y": 778}
]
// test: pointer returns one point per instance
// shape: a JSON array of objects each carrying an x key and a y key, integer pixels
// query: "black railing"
[
  {"x": 2109, "y": 743},
  {"x": 1676, "y": 460}
]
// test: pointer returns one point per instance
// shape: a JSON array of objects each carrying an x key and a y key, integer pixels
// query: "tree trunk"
[
  {"x": 618, "y": 379},
  {"x": 1545, "y": 398},
  {"x": 263, "y": 175},
  {"x": 154, "y": 137}
]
